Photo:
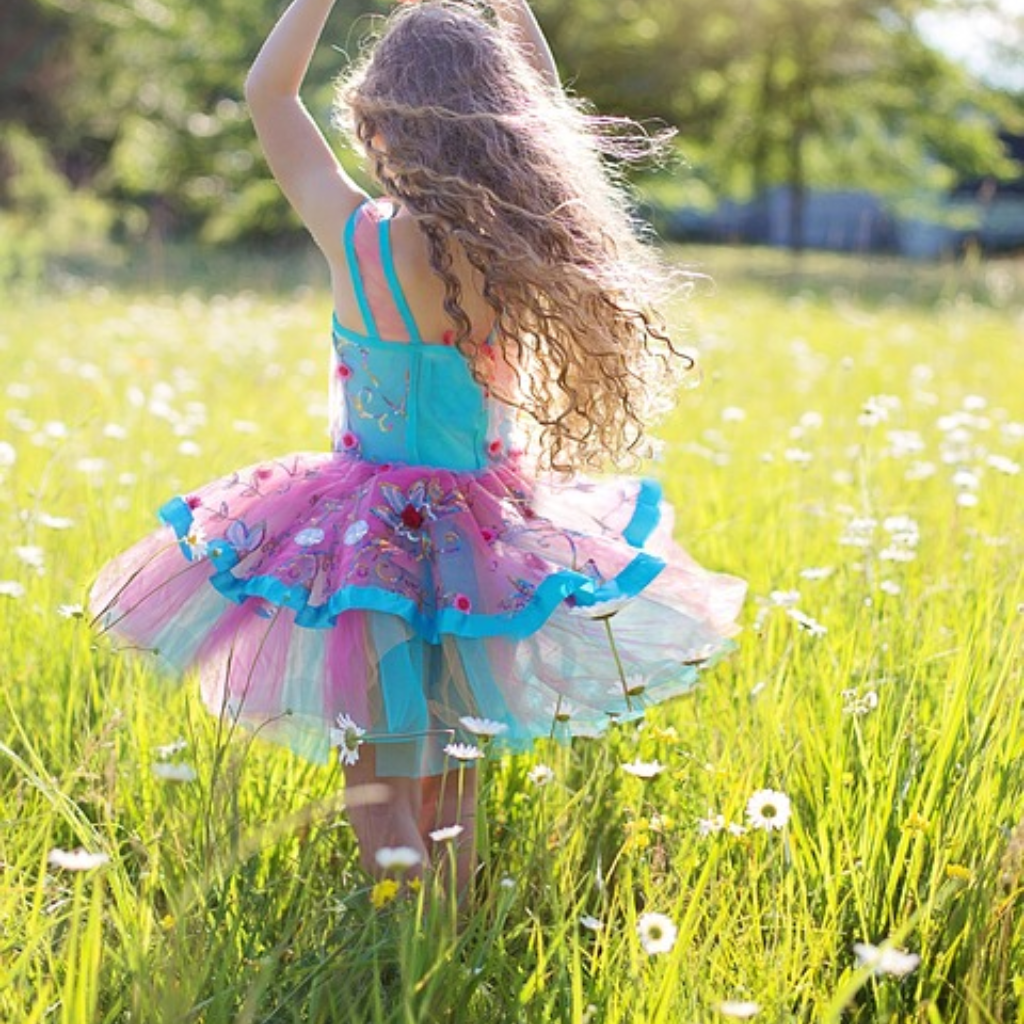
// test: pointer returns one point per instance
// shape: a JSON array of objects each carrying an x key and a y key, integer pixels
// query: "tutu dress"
[{"x": 417, "y": 573}]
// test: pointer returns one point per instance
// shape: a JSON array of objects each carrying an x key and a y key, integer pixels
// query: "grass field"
[{"x": 854, "y": 453}]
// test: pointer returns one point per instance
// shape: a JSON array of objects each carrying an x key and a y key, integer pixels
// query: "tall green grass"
[{"x": 891, "y": 718}]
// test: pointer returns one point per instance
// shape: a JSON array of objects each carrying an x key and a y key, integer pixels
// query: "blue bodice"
[{"x": 408, "y": 401}]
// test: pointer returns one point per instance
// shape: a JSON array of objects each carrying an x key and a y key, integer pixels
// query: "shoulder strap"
[
  {"x": 388, "y": 264},
  {"x": 353, "y": 266}
]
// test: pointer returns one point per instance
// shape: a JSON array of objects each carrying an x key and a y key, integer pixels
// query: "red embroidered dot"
[
  {"x": 448, "y": 338},
  {"x": 193, "y": 501},
  {"x": 412, "y": 517}
]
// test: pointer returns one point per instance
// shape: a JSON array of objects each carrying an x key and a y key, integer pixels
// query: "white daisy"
[
  {"x": 12, "y": 588},
  {"x": 171, "y": 772},
  {"x": 77, "y": 860},
  {"x": 347, "y": 736},
  {"x": 805, "y": 621},
  {"x": 482, "y": 726},
  {"x": 541, "y": 775},
  {"x": 592, "y": 924},
  {"x": 643, "y": 769},
  {"x": 711, "y": 824},
  {"x": 602, "y": 609},
  {"x": 442, "y": 835},
  {"x": 463, "y": 751},
  {"x": 741, "y": 1009},
  {"x": 398, "y": 858},
  {"x": 168, "y": 750},
  {"x": 70, "y": 611},
  {"x": 657, "y": 933},
  {"x": 886, "y": 960},
  {"x": 768, "y": 809}
]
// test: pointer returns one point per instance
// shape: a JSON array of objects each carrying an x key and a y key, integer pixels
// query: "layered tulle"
[{"x": 320, "y": 588}]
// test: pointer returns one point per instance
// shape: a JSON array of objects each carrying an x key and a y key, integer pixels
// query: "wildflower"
[
  {"x": 784, "y": 598},
  {"x": 348, "y": 738},
  {"x": 711, "y": 824},
  {"x": 169, "y": 772},
  {"x": 768, "y": 809},
  {"x": 916, "y": 823},
  {"x": 886, "y": 960},
  {"x": 482, "y": 726},
  {"x": 383, "y": 892},
  {"x": 592, "y": 924},
  {"x": 77, "y": 860},
  {"x": 70, "y": 611},
  {"x": 541, "y": 775},
  {"x": 817, "y": 572},
  {"x": 967, "y": 499},
  {"x": 601, "y": 609},
  {"x": 463, "y": 751},
  {"x": 643, "y": 769},
  {"x": 735, "y": 830},
  {"x": 657, "y": 933},
  {"x": 54, "y": 522},
  {"x": 854, "y": 704},
  {"x": 398, "y": 858},
  {"x": 8, "y": 455},
  {"x": 168, "y": 750},
  {"x": 959, "y": 873},
  {"x": 805, "y": 622},
  {"x": 1003, "y": 464},
  {"x": 442, "y": 835},
  {"x": 635, "y": 685},
  {"x": 507, "y": 882},
  {"x": 890, "y": 587},
  {"x": 32, "y": 555},
  {"x": 741, "y": 1009}
]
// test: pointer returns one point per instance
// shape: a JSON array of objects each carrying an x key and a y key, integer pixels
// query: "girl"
[{"x": 430, "y": 580}]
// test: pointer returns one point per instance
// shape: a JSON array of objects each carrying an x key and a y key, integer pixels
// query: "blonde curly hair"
[{"x": 484, "y": 154}]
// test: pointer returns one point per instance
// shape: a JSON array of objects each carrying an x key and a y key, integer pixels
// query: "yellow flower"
[
  {"x": 383, "y": 892},
  {"x": 959, "y": 872},
  {"x": 916, "y": 823}
]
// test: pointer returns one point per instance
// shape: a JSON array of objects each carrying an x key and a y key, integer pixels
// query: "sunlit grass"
[{"x": 854, "y": 452}]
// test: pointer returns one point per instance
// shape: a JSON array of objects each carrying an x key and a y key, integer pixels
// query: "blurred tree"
[
  {"x": 141, "y": 100},
  {"x": 802, "y": 93}
]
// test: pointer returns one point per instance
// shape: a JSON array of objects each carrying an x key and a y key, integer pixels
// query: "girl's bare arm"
[
  {"x": 298, "y": 154},
  {"x": 518, "y": 15}
]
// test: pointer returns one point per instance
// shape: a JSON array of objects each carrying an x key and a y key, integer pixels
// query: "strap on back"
[
  {"x": 391, "y": 276},
  {"x": 353, "y": 266}
]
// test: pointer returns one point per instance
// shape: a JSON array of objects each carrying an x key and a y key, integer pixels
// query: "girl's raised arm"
[
  {"x": 519, "y": 16},
  {"x": 298, "y": 154}
]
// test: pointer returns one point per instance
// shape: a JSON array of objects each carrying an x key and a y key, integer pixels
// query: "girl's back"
[{"x": 423, "y": 289}]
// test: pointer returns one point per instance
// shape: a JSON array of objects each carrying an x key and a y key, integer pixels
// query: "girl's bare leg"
[
  {"x": 445, "y": 800},
  {"x": 383, "y": 812}
]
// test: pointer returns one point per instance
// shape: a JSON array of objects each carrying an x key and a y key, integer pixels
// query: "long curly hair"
[{"x": 483, "y": 154}]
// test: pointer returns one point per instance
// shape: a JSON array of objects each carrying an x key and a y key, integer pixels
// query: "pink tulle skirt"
[{"x": 322, "y": 598}]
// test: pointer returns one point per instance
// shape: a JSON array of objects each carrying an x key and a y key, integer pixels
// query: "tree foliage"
[{"x": 140, "y": 101}]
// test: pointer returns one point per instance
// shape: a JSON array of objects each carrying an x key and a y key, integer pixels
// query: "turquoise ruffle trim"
[{"x": 566, "y": 583}]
